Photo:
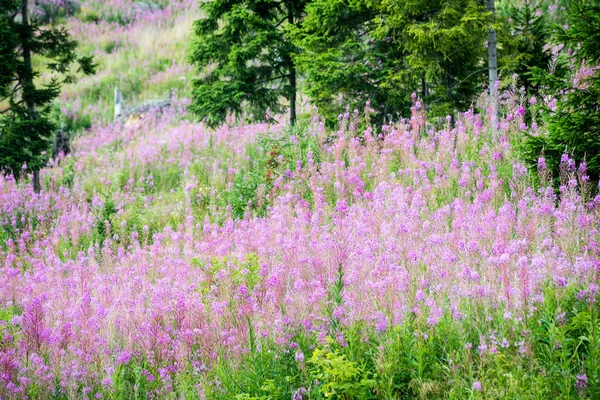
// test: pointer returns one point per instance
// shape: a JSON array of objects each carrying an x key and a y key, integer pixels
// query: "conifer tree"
[
  {"x": 524, "y": 39},
  {"x": 25, "y": 126},
  {"x": 347, "y": 63},
  {"x": 382, "y": 51},
  {"x": 245, "y": 57},
  {"x": 572, "y": 91},
  {"x": 445, "y": 42}
]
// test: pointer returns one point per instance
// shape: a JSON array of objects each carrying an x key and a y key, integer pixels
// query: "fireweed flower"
[
  {"x": 298, "y": 394},
  {"x": 381, "y": 208},
  {"x": 581, "y": 381}
]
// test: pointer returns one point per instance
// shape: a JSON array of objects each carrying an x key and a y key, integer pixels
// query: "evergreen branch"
[
  {"x": 14, "y": 15},
  {"x": 459, "y": 83},
  {"x": 463, "y": 46},
  {"x": 271, "y": 118},
  {"x": 272, "y": 79},
  {"x": 281, "y": 22},
  {"x": 14, "y": 91},
  {"x": 468, "y": 76}
]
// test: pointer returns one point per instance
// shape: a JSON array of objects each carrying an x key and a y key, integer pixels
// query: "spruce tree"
[
  {"x": 382, "y": 51},
  {"x": 347, "y": 63},
  {"x": 245, "y": 58},
  {"x": 8, "y": 44},
  {"x": 444, "y": 41},
  {"x": 572, "y": 92},
  {"x": 525, "y": 35},
  {"x": 26, "y": 129}
]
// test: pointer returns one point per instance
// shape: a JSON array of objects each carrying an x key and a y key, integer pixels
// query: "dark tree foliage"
[
  {"x": 8, "y": 44},
  {"x": 347, "y": 63},
  {"x": 524, "y": 37},
  {"x": 244, "y": 55},
  {"x": 381, "y": 51},
  {"x": 26, "y": 130},
  {"x": 445, "y": 45},
  {"x": 573, "y": 123}
]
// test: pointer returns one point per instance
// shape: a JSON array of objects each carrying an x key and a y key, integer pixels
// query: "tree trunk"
[
  {"x": 493, "y": 69},
  {"x": 293, "y": 95},
  {"x": 37, "y": 187},
  {"x": 28, "y": 86},
  {"x": 292, "y": 77}
]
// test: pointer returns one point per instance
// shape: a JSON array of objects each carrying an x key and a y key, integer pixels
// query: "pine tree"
[
  {"x": 445, "y": 45},
  {"x": 381, "y": 51},
  {"x": 25, "y": 127},
  {"x": 8, "y": 44},
  {"x": 347, "y": 63},
  {"x": 242, "y": 49},
  {"x": 526, "y": 33},
  {"x": 572, "y": 90}
]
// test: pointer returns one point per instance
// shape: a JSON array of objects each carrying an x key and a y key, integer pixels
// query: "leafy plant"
[{"x": 338, "y": 378}]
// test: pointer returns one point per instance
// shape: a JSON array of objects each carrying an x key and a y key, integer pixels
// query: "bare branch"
[
  {"x": 272, "y": 79},
  {"x": 281, "y": 22}
]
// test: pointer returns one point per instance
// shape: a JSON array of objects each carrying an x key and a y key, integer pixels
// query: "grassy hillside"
[{"x": 141, "y": 47}]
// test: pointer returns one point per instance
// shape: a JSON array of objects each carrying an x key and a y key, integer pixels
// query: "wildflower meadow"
[{"x": 412, "y": 257}]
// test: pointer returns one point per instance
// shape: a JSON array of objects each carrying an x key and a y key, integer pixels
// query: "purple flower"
[
  {"x": 542, "y": 164},
  {"x": 298, "y": 394},
  {"x": 341, "y": 206},
  {"x": 124, "y": 357},
  {"x": 477, "y": 386},
  {"x": 427, "y": 233},
  {"x": 581, "y": 381}
]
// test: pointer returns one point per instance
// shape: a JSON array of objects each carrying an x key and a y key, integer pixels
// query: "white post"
[{"x": 118, "y": 103}]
